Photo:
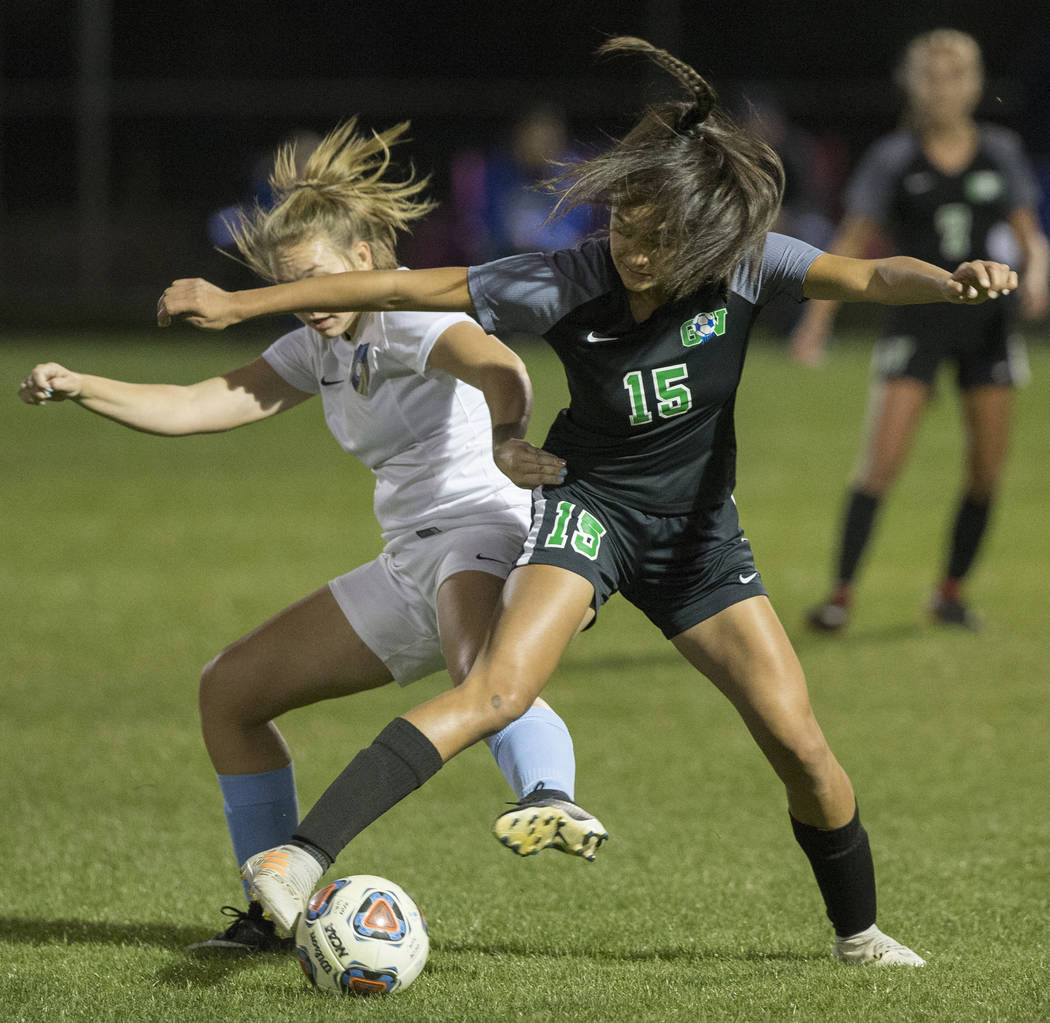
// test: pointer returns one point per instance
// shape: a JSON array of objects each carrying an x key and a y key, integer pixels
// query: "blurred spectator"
[
  {"x": 813, "y": 171},
  {"x": 260, "y": 191},
  {"x": 501, "y": 207}
]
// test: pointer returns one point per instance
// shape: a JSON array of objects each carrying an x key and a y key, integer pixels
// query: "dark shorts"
[
  {"x": 678, "y": 570},
  {"x": 977, "y": 339}
]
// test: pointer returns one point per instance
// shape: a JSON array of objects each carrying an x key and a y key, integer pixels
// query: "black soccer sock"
[
  {"x": 971, "y": 520},
  {"x": 400, "y": 759},
  {"x": 316, "y": 852},
  {"x": 842, "y": 864},
  {"x": 856, "y": 530}
]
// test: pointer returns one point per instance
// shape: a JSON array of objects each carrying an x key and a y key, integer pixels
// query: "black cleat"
[
  {"x": 549, "y": 819},
  {"x": 953, "y": 612},
  {"x": 249, "y": 932}
]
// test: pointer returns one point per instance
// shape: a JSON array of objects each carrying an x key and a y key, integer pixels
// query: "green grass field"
[{"x": 126, "y": 561}]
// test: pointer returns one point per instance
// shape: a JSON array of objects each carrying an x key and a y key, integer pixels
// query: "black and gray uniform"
[
  {"x": 947, "y": 219},
  {"x": 648, "y": 436}
]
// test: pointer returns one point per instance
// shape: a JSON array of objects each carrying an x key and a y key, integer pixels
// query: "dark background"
[{"x": 124, "y": 125}]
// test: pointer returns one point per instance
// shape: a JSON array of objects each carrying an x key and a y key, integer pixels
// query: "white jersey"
[{"x": 426, "y": 435}]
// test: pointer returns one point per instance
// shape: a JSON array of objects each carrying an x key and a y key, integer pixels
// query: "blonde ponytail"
[{"x": 341, "y": 193}]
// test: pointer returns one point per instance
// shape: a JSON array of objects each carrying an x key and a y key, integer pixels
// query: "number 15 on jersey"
[{"x": 672, "y": 397}]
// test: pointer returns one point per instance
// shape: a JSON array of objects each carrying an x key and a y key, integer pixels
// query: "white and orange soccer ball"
[{"x": 362, "y": 935}]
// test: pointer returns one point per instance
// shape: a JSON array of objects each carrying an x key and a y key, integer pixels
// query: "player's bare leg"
[
  {"x": 306, "y": 653},
  {"x": 986, "y": 418},
  {"x": 746, "y": 653},
  {"x": 542, "y": 608},
  {"x": 894, "y": 412},
  {"x": 545, "y": 817},
  {"x": 539, "y": 613}
]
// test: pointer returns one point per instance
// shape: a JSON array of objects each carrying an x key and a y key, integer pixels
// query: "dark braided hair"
[{"x": 696, "y": 186}]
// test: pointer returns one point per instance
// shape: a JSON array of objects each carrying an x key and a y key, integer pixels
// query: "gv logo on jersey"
[{"x": 702, "y": 327}]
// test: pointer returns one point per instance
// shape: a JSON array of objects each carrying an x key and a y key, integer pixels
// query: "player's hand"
[
  {"x": 976, "y": 282},
  {"x": 526, "y": 465},
  {"x": 197, "y": 302},
  {"x": 49, "y": 382}
]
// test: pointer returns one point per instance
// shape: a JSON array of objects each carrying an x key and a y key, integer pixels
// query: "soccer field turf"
[{"x": 129, "y": 560}]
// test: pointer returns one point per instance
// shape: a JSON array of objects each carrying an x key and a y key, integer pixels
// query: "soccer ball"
[
  {"x": 362, "y": 935},
  {"x": 704, "y": 324}
]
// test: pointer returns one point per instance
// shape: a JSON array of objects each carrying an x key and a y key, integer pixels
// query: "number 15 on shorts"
[{"x": 585, "y": 538}]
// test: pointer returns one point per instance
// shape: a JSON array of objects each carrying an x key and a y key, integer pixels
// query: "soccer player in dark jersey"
[
  {"x": 943, "y": 188},
  {"x": 651, "y": 324}
]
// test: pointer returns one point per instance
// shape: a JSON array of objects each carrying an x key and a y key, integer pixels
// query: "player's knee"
[
  {"x": 217, "y": 693},
  {"x": 497, "y": 699},
  {"x": 811, "y": 760},
  {"x": 508, "y": 706},
  {"x": 209, "y": 689}
]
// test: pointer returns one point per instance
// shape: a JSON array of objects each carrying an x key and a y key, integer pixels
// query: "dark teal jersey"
[
  {"x": 945, "y": 219},
  {"x": 650, "y": 419}
]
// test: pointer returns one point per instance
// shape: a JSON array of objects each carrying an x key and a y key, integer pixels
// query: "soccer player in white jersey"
[
  {"x": 651, "y": 325},
  {"x": 437, "y": 409}
]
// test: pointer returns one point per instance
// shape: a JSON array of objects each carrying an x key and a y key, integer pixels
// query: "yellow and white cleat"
[{"x": 549, "y": 819}]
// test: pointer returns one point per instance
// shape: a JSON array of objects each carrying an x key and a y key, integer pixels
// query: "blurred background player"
[
  {"x": 427, "y": 401},
  {"x": 945, "y": 188}
]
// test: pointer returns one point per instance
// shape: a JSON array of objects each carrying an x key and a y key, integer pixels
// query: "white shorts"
[{"x": 391, "y": 602}]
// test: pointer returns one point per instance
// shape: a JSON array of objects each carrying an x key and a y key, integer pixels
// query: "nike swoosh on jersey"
[
  {"x": 593, "y": 338},
  {"x": 329, "y": 383},
  {"x": 747, "y": 578},
  {"x": 485, "y": 557}
]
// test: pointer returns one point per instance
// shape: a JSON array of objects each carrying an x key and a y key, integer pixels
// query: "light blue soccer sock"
[
  {"x": 261, "y": 810},
  {"x": 536, "y": 749}
]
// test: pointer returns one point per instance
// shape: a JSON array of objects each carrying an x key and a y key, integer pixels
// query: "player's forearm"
[
  {"x": 440, "y": 290},
  {"x": 902, "y": 280},
  {"x": 165, "y": 409},
  {"x": 508, "y": 394}
]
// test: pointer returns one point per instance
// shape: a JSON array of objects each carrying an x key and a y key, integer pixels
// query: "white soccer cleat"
[
  {"x": 873, "y": 948},
  {"x": 282, "y": 879},
  {"x": 548, "y": 819},
  {"x": 828, "y": 617}
]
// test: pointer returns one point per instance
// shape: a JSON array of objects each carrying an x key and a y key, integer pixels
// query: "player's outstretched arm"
[
  {"x": 901, "y": 280},
  {"x": 210, "y": 308},
  {"x": 465, "y": 351},
  {"x": 810, "y": 335},
  {"x": 245, "y": 395}
]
